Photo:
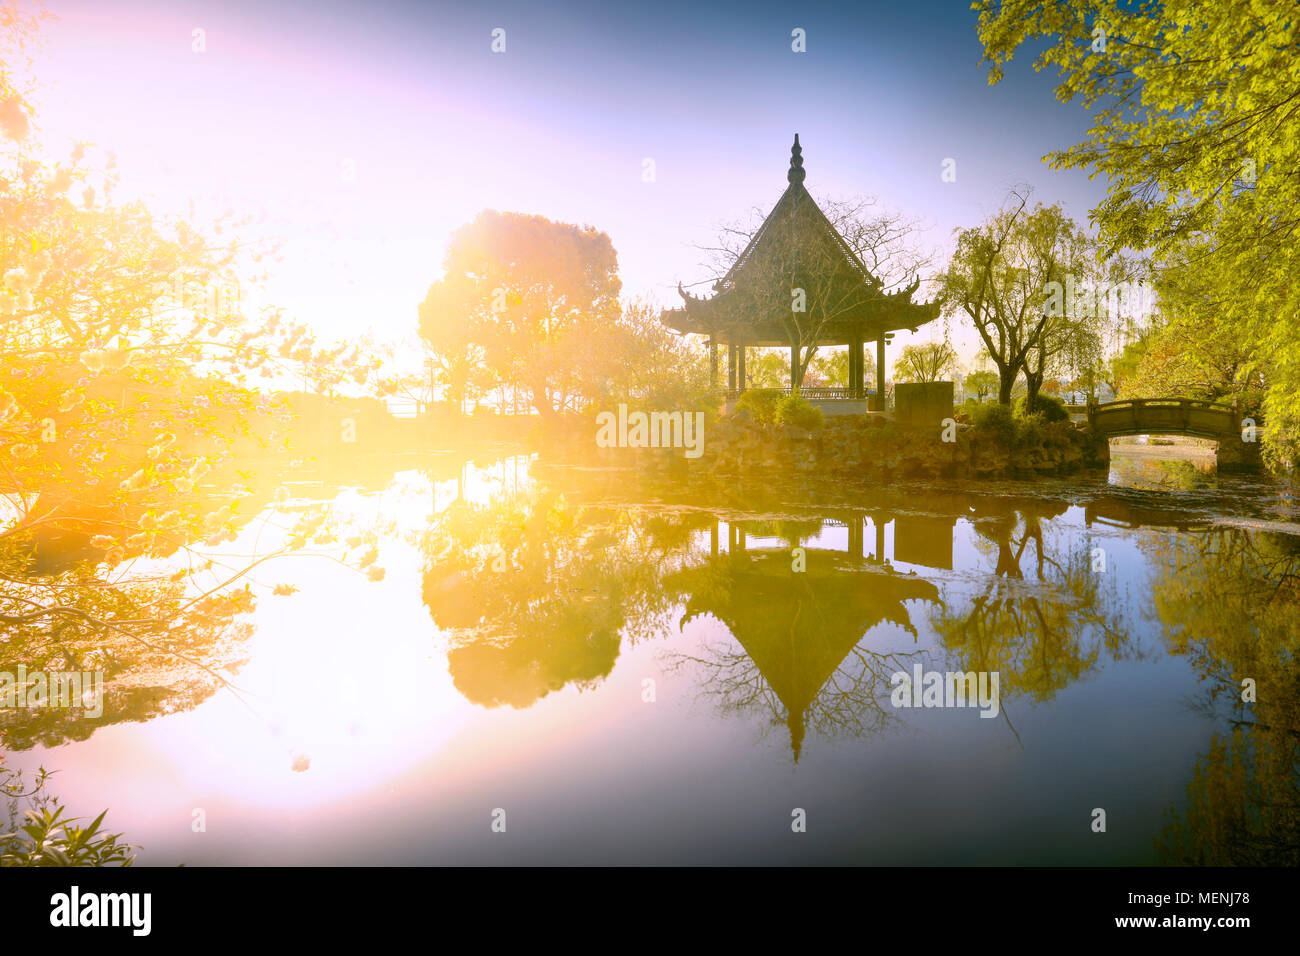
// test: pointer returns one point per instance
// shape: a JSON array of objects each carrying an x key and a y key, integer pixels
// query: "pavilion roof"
[{"x": 797, "y": 222}]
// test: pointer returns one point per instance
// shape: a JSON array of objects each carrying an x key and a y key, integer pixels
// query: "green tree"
[
  {"x": 766, "y": 368},
  {"x": 830, "y": 369},
  {"x": 537, "y": 297},
  {"x": 1003, "y": 276},
  {"x": 983, "y": 383},
  {"x": 1194, "y": 128},
  {"x": 1195, "y": 348}
]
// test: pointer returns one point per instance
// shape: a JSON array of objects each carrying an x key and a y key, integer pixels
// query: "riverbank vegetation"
[{"x": 1196, "y": 135}]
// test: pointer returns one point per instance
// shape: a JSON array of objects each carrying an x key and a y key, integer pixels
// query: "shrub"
[
  {"x": 1029, "y": 430},
  {"x": 38, "y": 834},
  {"x": 994, "y": 418},
  {"x": 760, "y": 403},
  {"x": 1049, "y": 406},
  {"x": 965, "y": 412},
  {"x": 796, "y": 411}
]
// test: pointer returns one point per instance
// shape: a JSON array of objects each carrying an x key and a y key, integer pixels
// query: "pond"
[{"x": 551, "y": 665}]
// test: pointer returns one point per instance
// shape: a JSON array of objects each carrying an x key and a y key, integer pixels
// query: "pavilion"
[{"x": 842, "y": 302}]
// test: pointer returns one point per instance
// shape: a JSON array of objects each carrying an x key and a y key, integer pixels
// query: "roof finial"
[{"x": 796, "y": 173}]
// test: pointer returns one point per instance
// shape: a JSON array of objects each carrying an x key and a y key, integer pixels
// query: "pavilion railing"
[{"x": 815, "y": 393}]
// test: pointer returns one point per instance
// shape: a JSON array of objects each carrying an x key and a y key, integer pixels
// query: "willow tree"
[{"x": 1002, "y": 276}]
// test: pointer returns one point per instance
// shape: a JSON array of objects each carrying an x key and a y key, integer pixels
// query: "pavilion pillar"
[
  {"x": 853, "y": 370},
  {"x": 855, "y": 537},
  {"x": 862, "y": 369},
  {"x": 731, "y": 364},
  {"x": 740, "y": 364},
  {"x": 855, "y": 366},
  {"x": 880, "y": 372},
  {"x": 713, "y": 361}
]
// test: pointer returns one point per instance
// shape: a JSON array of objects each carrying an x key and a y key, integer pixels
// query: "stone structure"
[
  {"x": 923, "y": 403},
  {"x": 1238, "y": 442}
]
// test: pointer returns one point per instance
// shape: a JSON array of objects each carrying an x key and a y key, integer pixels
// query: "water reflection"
[
  {"x": 1229, "y": 601},
  {"x": 151, "y": 617},
  {"x": 1162, "y": 468},
  {"x": 783, "y": 609},
  {"x": 1042, "y": 637},
  {"x": 538, "y": 593},
  {"x": 799, "y": 656}
]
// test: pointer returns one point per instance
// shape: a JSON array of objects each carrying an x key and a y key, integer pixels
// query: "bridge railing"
[
  {"x": 1189, "y": 416},
  {"x": 1218, "y": 406}
]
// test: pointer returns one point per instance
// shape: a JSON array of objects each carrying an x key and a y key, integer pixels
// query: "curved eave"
[{"x": 681, "y": 321}]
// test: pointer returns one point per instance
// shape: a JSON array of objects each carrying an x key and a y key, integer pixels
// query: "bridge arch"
[{"x": 1219, "y": 421}]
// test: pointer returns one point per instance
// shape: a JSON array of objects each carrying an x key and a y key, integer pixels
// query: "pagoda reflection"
[
  {"x": 539, "y": 593},
  {"x": 800, "y": 617}
]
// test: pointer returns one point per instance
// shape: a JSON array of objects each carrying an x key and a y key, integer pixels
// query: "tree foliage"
[
  {"x": 1196, "y": 130},
  {"x": 999, "y": 278},
  {"x": 982, "y": 383},
  {"x": 530, "y": 301}
]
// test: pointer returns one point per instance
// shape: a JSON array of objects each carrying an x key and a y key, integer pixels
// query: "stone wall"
[{"x": 872, "y": 448}]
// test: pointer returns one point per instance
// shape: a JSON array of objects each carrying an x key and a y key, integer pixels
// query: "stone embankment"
[{"x": 874, "y": 448}]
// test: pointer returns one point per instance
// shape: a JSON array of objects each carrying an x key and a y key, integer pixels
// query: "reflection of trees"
[
  {"x": 158, "y": 646},
  {"x": 1229, "y": 600},
  {"x": 164, "y": 615},
  {"x": 1179, "y": 474},
  {"x": 539, "y": 593},
  {"x": 1039, "y": 636},
  {"x": 801, "y": 659}
]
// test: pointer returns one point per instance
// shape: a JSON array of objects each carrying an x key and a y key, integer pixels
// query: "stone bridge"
[{"x": 1238, "y": 445}]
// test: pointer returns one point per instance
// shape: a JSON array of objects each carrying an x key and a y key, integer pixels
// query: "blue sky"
[{"x": 365, "y": 133}]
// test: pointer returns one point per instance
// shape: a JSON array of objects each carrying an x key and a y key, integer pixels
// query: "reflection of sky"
[
  {"x": 287, "y": 97},
  {"x": 404, "y": 769}
]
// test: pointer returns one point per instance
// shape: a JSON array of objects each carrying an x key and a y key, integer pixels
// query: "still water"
[{"x": 622, "y": 671}]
